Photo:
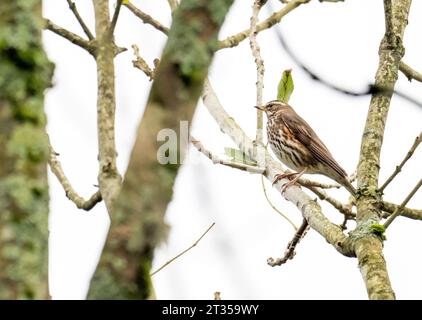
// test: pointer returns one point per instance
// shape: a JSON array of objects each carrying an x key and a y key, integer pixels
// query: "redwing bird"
[{"x": 297, "y": 146}]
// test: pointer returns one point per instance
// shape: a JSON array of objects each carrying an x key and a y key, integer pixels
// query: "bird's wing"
[{"x": 304, "y": 133}]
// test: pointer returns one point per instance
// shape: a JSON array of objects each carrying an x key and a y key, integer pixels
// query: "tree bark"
[
  {"x": 137, "y": 216},
  {"x": 108, "y": 176},
  {"x": 368, "y": 247},
  {"x": 24, "y": 76}
]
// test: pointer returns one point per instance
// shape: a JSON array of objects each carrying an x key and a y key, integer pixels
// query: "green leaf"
[
  {"x": 379, "y": 230},
  {"x": 238, "y": 156},
  {"x": 285, "y": 86},
  {"x": 125, "y": 1}
]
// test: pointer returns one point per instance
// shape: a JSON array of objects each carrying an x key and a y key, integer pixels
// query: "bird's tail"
[{"x": 348, "y": 185}]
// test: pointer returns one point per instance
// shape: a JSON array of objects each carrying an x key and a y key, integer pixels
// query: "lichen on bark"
[{"x": 25, "y": 73}]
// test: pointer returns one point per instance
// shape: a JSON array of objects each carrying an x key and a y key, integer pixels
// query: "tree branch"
[
  {"x": 147, "y": 18},
  {"x": 72, "y": 37},
  {"x": 57, "y": 169},
  {"x": 341, "y": 207},
  {"x": 233, "y": 40},
  {"x": 115, "y": 17},
  {"x": 310, "y": 183},
  {"x": 184, "y": 251},
  {"x": 260, "y": 69},
  {"x": 149, "y": 179},
  {"x": 409, "y": 72},
  {"x": 291, "y": 246},
  {"x": 399, "y": 209},
  {"x": 72, "y": 6},
  {"x": 108, "y": 176},
  {"x": 389, "y": 208},
  {"x": 311, "y": 211},
  {"x": 275, "y": 18},
  {"x": 409, "y": 154},
  {"x": 216, "y": 160},
  {"x": 367, "y": 246}
]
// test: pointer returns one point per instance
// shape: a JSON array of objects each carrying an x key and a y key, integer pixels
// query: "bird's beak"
[{"x": 259, "y": 108}]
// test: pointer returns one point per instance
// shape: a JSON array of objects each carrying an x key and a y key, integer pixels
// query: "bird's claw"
[
  {"x": 282, "y": 176},
  {"x": 287, "y": 185}
]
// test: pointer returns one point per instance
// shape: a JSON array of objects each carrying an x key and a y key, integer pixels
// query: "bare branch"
[
  {"x": 184, "y": 251},
  {"x": 142, "y": 65},
  {"x": 398, "y": 210},
  {"x": 409, "y": 72},
  {"x": 72, "y": 6},
  {"x": 108, "y": 175},
  {"x": 275, "y": 18},
  {"x": 72, "y": 37},
  {"x": 310, "y": 183},
  {"x": 409, "y": 154},
  {"x": 274, "y": 207},
  {"x": 341, "y": 207},
  {"x": 57, "y": 169},
  {"x": 389, "y": 208},
  {"x": 260, "y": 69},
  {"x": 216, "y": 160},
  {"x": 291, "y": 246},
  {"x": 146, "y": 18},
  {"x": 115, "y": 16},
  {"x": 369, "y": 248}
]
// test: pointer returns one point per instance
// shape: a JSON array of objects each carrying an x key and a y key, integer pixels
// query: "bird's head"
[{"x": 273, "y": 107}]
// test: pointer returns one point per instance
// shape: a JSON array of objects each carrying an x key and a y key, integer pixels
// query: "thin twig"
[
  {"x": 146, "y": 18},
  {"x": 260, "y": 69},
  {"x": 409, "y": 154},
  {"x": 389, "y": 208},
  {"x": 80, "y": 202},
  {"x": 290, "y": 251},
  {"x": 72, "y": 6},
  {"x": 341, "y": 207},
  {"x": 310, "y": 183},
  {"x": 216, "y": 160},
  {"x": 409, "y": 72},
  {"x": 184, "y": 251},
  {"x": 274, "y": 207},
  {"x": 72, "y": 37},
  {"x": 115, "y": 16},
  {"x": 397, "y": 212}
]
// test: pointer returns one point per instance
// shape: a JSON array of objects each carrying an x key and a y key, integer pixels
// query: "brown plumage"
[{"x": 296, "y": 145}]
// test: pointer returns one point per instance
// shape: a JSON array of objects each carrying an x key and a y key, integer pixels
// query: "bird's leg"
[
  {"x": 282, "y": 176},
  {"x": 293, "y": 181}
]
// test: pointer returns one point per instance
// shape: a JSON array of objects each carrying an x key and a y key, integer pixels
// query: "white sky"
[{"x": 340, "y": 42}]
